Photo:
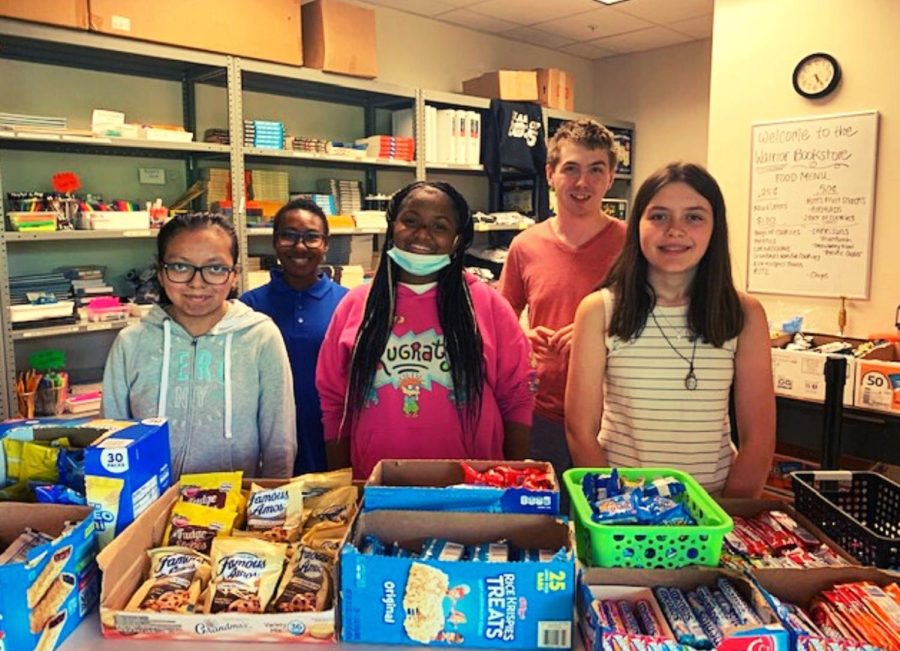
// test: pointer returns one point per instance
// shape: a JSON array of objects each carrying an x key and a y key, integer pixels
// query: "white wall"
[
  {"x": 756, "y": 44},
  {"x": 422, "y": 52},
  {"x": 665, "y": 92}
]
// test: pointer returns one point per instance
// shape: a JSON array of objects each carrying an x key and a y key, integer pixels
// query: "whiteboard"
[{"x": 812, "y": 186}]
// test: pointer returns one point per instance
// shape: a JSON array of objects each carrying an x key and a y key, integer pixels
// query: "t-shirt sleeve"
[{"x": 512, "y": 285}]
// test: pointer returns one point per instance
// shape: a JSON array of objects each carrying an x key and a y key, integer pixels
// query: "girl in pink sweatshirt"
[{"x": 426, "y": 362}]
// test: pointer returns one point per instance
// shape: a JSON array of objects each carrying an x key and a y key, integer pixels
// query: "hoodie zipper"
[{"x": 190, "y": 401}]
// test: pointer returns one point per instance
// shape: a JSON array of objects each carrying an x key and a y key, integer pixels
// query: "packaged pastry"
[
  {"x": 306, "y": 584},
  {"x": 335, "y": 506},
  {"x": 177, "y": 577},
  {"x": 276, "y": 511},
  {"x": 103, "y": 495},
  {"x": 220, "y": 490},
  {"x": 195, "y": 526},
  {"x": 245, "y": 574}
]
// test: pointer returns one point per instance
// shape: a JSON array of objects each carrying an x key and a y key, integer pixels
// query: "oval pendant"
[{"x": 690, "y": 381}]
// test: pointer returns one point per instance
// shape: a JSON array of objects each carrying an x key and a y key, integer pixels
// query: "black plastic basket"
[{"x": 860, "y": 511}]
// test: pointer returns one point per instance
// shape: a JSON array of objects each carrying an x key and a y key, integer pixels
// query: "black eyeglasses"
[
  {"x": 212, "y": 274},
  {"x": 311, "y": 239}
]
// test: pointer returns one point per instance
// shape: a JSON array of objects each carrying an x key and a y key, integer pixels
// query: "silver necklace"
[{"x": 690, "y": 380}]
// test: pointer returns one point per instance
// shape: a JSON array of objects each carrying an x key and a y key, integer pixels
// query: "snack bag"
[
  {"x": 195, "y": 526},
  {"x": 220, "y": 490},
  {"x": 177, "y": 576},
  {"x": 335, "y": 506},
  {"x": 277, "y": 512},
  {"x": 306, "y": 584},
  {"x": 245, "y": 574}
]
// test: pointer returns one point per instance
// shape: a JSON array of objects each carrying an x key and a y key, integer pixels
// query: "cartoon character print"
[{"x": 411, "y": 387}]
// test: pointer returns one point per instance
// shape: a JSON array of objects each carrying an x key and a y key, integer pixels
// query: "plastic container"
[
  {"x": 20, "y": 313},
  {"x": 649, "y": 546},
  {"x": 860, "y": 511},
  {"x": 112, "y": 220}
]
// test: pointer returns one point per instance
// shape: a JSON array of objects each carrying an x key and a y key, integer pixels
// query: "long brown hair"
[{"x": 714, "y": 314}]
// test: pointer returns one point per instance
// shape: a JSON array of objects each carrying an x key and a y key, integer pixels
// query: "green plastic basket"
[{"x": 648, "y": 546}]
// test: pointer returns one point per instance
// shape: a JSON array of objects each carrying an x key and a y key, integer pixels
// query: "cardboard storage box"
[
  {"x": 801, "y": 374},
  {"x": 267, "y": 29},
  {"x": 126, "y": 470},
  {"x": 500, "y": 605},
  {"x": 125, "y": 564},
  {"x": 567, "y": 85},
  {"x": 340, "y": 37},
  {"x": 878, "y": 379},
  {"x": 771, "y": 635},
  {"x": 551, "y": 87},
  {"x": 66, "y": 13},
  {"x": 592, "y": 631},
  {"x": 513, "y": 85},
  {"x": 437, "y": 485},
  {"x": 45, "y": 598},
  {"x": 799, "y": 587}
]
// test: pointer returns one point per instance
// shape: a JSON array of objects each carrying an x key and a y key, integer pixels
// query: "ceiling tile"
[
  {"x": 587, "y": 51},
  {"x": 458, "y": 3},
  {"x": 663, "y": 12},
  {"x": 699, "y": 27},
  {"x": 644, "y": 39},
  {"x": 529, "y": 13},
  {"x": 533, "y": 36},
  {"x": 590, "y": 25},
  {"x": 479, "y": 22},
  {"x": 430, "y": 8}
]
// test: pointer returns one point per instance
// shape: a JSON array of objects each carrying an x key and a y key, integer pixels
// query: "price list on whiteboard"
[{"x": 812, "y": 186}]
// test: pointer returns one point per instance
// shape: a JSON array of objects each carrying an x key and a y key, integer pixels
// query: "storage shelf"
[
  {"x": 114, "y": 146},
  {"x": 98, "y": 52},
  {"x": 267, "y": 232},
  {"x": 325, "y": 159},
  {"x": 44, "y": 236},
  {"x": 455, "y": 99},
  {"x": 454, "y": 167},
  {"x": 82, "y": 328}
]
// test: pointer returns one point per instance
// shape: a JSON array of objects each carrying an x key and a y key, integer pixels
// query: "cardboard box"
[
  {"x": 66, "y": 13},
  {"x": 340, "y": 37},
  {"x": 799, "y": 587},
  {"x": 125, "y": 564},
  {"x": 438, "y": 485},
  {"x": 748, "y": 508},
  {"x": 551, "y": 87},
  {"x": 592, "y": 629},
  {"x": 878, "y": 379},
  {"x": 771, "y": 635},
  {"x": 132, "y": 461},
  {"x": 499, "y": 605},
  {"x": 267, "y": 30},
  {"x": 801, "y": 374},
  {"x": 567, "y": 87},
  {"x": 45, "y": 598},
  {"x": 513, "y": 85}
]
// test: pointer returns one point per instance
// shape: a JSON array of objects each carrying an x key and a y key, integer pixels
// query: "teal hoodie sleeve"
[{"x": 277, "y": 416}]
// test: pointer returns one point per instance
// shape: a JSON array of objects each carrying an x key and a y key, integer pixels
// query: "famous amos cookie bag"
[
  {"x": 245, "y": 574},
  {"x": 177, "y": 577}
]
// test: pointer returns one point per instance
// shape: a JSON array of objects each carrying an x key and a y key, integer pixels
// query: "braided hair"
[{"x": 462, "y": 338}]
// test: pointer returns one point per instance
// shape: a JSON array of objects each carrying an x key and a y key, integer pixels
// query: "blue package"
[
  {"x": 70, "y": 466},
  {"x": 57, "y": 494},
  {"x": 372, "y": 546},
  {"x": 661, "y": 510},
  {"x": 615, "y": 510},
  {"x": 663, "y": 487}
]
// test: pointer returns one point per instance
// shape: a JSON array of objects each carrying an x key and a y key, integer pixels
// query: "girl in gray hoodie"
[{"x": 217, "y": 370}]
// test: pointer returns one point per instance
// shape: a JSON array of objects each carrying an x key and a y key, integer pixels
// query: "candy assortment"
[
  {"x": 504, "y": 476},
  {"x": 616, "y": 500},
  {"x": 439, "y": 549},
  {"x": 774, "y": 539}
]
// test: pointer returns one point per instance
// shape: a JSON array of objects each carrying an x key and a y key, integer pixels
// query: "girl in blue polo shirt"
[{"x": 300, "y": 300}]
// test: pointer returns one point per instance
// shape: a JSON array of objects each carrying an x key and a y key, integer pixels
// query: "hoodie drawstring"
[
  {"x": 228, "y": 405},
  {"x": 164, "y": 378}
]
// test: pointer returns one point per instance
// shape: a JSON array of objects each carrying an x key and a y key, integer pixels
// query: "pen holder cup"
[
  {"x": 26, "y": 404},
  {"x": 50, "y": 401}
]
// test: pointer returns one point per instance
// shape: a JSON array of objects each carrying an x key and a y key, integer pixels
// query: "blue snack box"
[
  {"x": 437, "y": 485},
  {"x": 45, "y": 597},
  {"x": 126, "y": 470},
  {"x": 498, "y": 605}
]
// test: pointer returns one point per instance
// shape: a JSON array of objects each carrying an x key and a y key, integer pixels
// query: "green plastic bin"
[{"x": 648, "y": 546}]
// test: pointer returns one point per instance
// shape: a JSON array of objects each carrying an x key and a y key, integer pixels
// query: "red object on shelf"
[{"x": 66, "y": 182}]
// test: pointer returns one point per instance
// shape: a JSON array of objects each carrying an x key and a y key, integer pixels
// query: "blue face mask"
[{"x": 418, "y": 264}]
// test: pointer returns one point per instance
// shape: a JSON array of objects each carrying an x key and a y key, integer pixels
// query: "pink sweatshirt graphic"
[{"x": 411, "y": 413}]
